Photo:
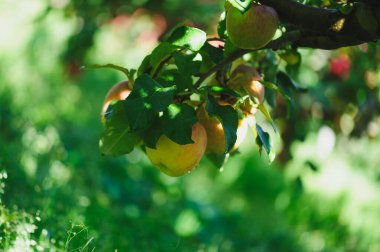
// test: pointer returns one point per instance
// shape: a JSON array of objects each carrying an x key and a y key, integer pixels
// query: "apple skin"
[
  {"x": 176, "y": 160},
  {"x": 253, "y": 29},
  {"x": 119, "y": 91},
  {"x": 216, "y": 141},
  {"x": 247, "y": 78}
]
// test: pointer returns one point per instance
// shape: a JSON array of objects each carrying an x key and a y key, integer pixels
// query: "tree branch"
[
  {"x": 331, "y": 28},
  {"x": 327, "y": 42}
]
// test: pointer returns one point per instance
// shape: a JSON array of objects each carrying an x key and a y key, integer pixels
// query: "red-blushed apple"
[
  {"x": 253, "y": 29},
  {"x": 119, "y": 91}
]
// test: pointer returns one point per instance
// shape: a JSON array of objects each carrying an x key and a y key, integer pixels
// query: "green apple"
[{"x": 253, "y": 29}]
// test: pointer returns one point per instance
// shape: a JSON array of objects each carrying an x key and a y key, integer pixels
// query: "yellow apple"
[
  {"x": 176, "y": 160},
  {"x": 253, "y": 29},
  {"x": 216, "y": 141},
  {"x": 119, "y": 91}
]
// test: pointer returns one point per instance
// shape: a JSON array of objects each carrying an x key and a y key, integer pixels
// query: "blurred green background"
[{"x": 58, "y": 193}]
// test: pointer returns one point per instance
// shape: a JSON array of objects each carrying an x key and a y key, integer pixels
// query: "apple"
[
  {"x": 119, "y": 91},
  {"x": 340, "y": 66},
  {"x": 216, "y": 141},
  {"x": 247, "y": 78},
  {"x": 253, "y": 29},
  {"x": 176, "y": 160}
]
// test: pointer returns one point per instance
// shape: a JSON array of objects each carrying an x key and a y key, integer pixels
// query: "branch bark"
[{"x": 329, "y": 28}]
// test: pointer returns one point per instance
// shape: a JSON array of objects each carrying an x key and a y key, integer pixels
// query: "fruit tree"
[{"x": 195, "y": 93}]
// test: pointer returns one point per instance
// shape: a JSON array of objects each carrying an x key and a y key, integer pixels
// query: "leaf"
[
  {"x": 227, "y": 116},
  {"x": 276, "y": 88},
  {"x": 262, "y": 139},
  {"x": 229, "y": 48},
  {"x": 117, "y": 139},
  {"x": 168, "y": 34},
  {"x": 146, "y": 100},
  {"x": 287, "y": 84},
  {"x": 222, "y": 28},
  {"x": 153, "y": 133},
  {"x": 218, "y": 160},
  {"x": 161, "y": 52},
  {"x": 145, "y": 66},
  {"x": 346, "y": 8},
  {"x": 214, "y": 53},
  {"x": 182, "y": 81},
  {"x": 292, "y": 56},
  {"x": 265, "y": 112},
  {"x": 186, "y": 63},
  {"x": 242, "y": 5},
  {"x": 177, "y": 122},
  {"x": 188, "y": 37},
  {"x": 174, "y": 77},
  {"x": 219, "y": 89}
]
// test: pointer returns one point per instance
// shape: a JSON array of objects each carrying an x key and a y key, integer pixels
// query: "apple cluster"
[
  {"x": 217, "y": 123},
  {"x": 208, "y": 135}
]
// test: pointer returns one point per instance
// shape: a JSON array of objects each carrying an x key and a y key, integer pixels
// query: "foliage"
[{"x": 60, "y": 194}]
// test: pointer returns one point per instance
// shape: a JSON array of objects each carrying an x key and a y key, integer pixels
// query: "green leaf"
[
  {"x": 187, "y": 64},
  {"x": 188, "y": 37},
  {"x": 172, "y": 77},
  {"x": 346, "y": 8},
  {"x": 177, "y": 122},
  {"x": 222, "y": 28},
  {"x": 262, "y": 139},
  {"x": 168, "y": 34},
  {"x": 265, "y": 112},
  {"x": 153, "y": 133},
  {"x": 287, "y": 84},
  {"x": 291, "y": 56},
  {"x": 117, "y": 139},
  {"x": 276, "y": 88},
  {"x": 227, "y": 116},
  {"x": 161, "y": 52},
  {"x": 146, "y": 100},
  {"x": 229, "y": 48},
  {"x": 214, "y": 53},
  {"x": 145, "y": 66},
  {"x": 224, "y": 90},
  {"x": 242, "y": 5},
  {"x": 182, "y": 81},
  {"x": 283, "y": 93},
  {"x": 218, "y": 160}
]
